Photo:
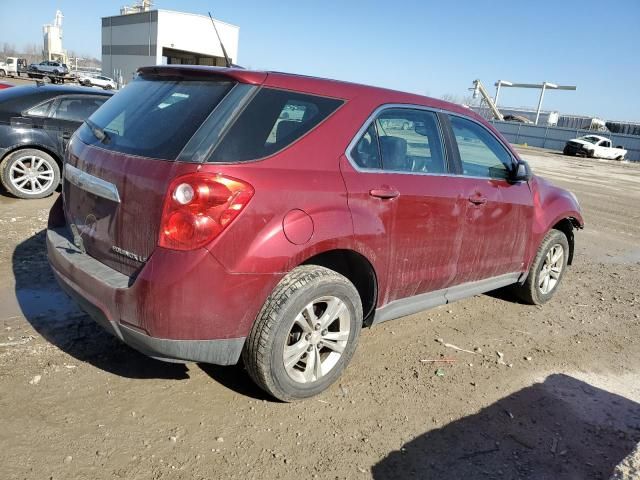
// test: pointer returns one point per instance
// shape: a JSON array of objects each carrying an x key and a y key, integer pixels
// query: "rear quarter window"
[{"x": 272, "y": 121}]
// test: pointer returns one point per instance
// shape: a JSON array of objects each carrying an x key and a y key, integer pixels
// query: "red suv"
[{"x": 209, "y": 214}]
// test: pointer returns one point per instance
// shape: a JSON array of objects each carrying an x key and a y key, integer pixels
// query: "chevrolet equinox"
[{"x": 212, "y": 214}]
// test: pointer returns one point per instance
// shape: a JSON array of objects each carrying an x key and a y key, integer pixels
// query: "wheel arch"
[
  {"x": 566, "y": 226},
  {"x": 357, "y": 269}
]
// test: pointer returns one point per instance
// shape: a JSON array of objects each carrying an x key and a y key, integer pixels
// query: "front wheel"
[
  {"x": 547, "y": 269},
  {"x": 305, "y": 334},
  {"x": 30, "y": 173}
]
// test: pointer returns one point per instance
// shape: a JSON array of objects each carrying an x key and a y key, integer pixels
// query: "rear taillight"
[{"x": 198, "y": 207}]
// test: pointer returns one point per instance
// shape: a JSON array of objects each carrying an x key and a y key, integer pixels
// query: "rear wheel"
[
  {"x": 305, "y": 334},
  {"x": 30, "y": 173},
  {"x": 547, "y": 270}
]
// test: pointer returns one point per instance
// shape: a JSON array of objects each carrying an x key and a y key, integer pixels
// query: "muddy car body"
[{"x": 239, "y": 231}]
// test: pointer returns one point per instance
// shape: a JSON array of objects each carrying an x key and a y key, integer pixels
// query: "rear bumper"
[
  {"x": 220, "y": 351},
  {"x": 171, "y": 311}
]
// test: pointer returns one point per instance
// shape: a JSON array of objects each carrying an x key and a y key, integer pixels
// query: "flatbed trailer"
[{"x": 48, "y": 77}]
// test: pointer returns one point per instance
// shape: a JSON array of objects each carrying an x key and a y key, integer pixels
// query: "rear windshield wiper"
[{"x": 98, "y": 132}]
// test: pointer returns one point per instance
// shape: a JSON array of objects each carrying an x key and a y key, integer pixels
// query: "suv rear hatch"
[{"x": 123, "y": 158}]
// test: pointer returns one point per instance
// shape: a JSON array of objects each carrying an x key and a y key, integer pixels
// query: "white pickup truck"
[{"x": 594, "y": 146}]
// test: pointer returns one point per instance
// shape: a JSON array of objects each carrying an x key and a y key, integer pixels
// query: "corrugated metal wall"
[{"x": 555, "y": 138}]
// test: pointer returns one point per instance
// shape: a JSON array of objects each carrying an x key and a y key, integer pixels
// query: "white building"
[
  {"x": 163, "y": 37},
  {"x": 53, "y": 40}
]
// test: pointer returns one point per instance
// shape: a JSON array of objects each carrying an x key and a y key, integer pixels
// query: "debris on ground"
[{"x": 455, "y": 347}]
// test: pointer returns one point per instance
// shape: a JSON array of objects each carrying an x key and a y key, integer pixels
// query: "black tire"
[
  {"x": 3, "y": 73},
  {"x": 530, "y": 291},
  {"x": 87, "y": 83},
  {"x": 591, "y": 153},
  {"x": 568, "y": 152},
  {"x": 264, "y": 349},
  {"x": 108, "y": 87},
  {"x": 47, "y": 79},
  {"x": 9, "y": 181}
]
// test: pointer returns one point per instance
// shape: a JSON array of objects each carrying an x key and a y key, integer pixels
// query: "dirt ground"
[{"x": 561, "y": 399}]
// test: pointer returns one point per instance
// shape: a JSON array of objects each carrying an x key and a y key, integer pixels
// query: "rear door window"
[
  {"x": 77, "y": 109},
  {"x": 410, "y": 141},
  {"x": 154, "y": 116},
  {"x": 366, "y": 152},
  {"x": 271, "y": 122},
  {"x": 402, "y": 140}
]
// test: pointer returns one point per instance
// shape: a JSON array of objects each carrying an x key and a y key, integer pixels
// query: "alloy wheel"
[
  {"x": 31, "y": 175},
  {"x": 317, "y": 339},
  {"x": 551, "y": 269}
]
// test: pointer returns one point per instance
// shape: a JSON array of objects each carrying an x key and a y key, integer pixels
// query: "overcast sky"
[{"x": 426, "y": 47}]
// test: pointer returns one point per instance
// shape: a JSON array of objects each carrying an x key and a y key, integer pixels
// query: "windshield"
[
  {"x": 593, "y": 140},
  {"x": 154, "y": 117}
]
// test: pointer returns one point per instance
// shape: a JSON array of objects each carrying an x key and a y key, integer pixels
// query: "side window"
[
  {"x": 41, "y": 110},
  {"x": 290, "y": 119},
  {"x": 481, "y": 154},
  {"x": 366, "y": 153},
  {"x": 410, "y": 141},
  {"x": 77, "y": 109},
  {"x": 605, "y": 143},
  {"x": 272, "y": 121}
]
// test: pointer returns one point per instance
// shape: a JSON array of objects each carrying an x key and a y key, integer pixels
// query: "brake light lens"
[{"x": 198, "y": 207}]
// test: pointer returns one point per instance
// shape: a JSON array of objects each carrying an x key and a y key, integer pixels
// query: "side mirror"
[{"x": 522, "y": 172}]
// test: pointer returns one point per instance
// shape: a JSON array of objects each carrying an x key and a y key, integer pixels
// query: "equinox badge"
[{"x": 128, "y": 254}]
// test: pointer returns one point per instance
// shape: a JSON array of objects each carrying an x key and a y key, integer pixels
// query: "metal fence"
[{"x": 555, "y": 138}]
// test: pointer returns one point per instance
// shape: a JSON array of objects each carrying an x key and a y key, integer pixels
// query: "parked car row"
[
  {"x": 198, "y": 222},
  {"x": 53, "y": 72}
]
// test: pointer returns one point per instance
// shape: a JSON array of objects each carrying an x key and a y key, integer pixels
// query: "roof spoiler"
[{"x": 205, "y": 72}]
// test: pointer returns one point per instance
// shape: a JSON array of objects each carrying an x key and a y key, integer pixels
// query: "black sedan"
[{"x": 36, "y": 122}]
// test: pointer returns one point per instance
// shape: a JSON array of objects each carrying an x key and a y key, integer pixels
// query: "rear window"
[
  {"x": 154, "y": 117},
  {"x": 272, "y": 121}
]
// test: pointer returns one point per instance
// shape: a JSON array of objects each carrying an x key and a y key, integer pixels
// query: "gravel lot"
[{"x": 560, "y": 401}]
